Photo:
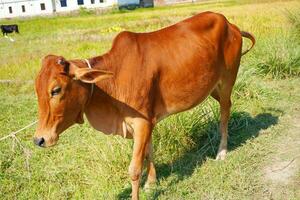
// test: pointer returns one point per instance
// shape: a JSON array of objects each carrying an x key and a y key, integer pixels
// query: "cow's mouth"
[
  {"x": 39, "y": 141},
  {"x": 45, "y": 141}
]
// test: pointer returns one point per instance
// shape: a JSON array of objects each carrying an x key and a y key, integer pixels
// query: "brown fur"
[{"x": 155, "y": 75}]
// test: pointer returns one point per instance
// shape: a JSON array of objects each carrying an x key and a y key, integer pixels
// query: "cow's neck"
[
  {"x": 104, "y": 63},
  {"x": 103, "y": 110}
]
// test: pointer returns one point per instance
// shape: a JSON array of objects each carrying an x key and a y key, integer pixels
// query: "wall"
[
  {"x": 166, "y": 2},
  {"x": 73, "y": 5},
  {"x": 32, "y": 7}
]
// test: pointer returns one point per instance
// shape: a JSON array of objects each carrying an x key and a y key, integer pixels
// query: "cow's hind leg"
[
  {"x": 151, "y": 172},
  {"x": 222, "y": 94}
]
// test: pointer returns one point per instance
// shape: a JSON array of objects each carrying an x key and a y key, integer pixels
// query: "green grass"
[
  {"x": 89, "y": 165},
  {"x": 281, "y": 55}
]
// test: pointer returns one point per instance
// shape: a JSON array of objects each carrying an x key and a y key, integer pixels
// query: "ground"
[{"x": 282, "y": 167}]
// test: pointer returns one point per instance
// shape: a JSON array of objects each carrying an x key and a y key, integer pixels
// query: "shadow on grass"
[{"x": 242, "y": 127}]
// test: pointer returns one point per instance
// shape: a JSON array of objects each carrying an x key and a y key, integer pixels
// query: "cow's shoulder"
[
  {"x": 207, "y": 21},
  {"x": 211, "y": 16},
  {"x": 124, "y": 38}
]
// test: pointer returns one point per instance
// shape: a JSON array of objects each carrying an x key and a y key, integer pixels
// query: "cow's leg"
[
  {"x": 151, "y": 173},
  {"x": 222, "y": 94},
  {"x": 142, "y": 135},
  {"x": 225, "y": 114}
]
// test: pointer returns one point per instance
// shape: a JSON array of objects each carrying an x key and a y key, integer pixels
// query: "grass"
[
  {"x": 281, "y": 52},
  {"x": 89, "y": 165}
]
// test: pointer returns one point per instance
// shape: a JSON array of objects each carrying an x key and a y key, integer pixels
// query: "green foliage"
[
  {"x": 277, "y": 53},
  {"x": 294, "y": 18},
  {"x": 281, "y": 56},
  {"x": 83, "y": 11}
]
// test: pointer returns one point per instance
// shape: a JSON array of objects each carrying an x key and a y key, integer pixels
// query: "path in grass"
[{"x": 282, "y": 168}]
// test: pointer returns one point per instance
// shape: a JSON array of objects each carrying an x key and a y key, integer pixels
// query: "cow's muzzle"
[{"x": 39, "y": 141}]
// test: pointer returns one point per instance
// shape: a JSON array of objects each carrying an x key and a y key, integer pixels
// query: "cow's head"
[{"x": 63, "y": 93}]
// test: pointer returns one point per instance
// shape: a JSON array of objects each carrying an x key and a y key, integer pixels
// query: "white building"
[{"x": 20, "y": 8}]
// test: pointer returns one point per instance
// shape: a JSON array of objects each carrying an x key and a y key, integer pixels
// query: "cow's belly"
[{"x": 184, "y": 91}]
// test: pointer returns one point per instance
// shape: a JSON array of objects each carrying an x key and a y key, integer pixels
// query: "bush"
[
  {"x": 279, "y": 56},
  {"x": 279, "y": 52},
  {"x": 281, "y": 59},
  {"x": 83, "y": 11},
  {"x": 294, "y": 19}
]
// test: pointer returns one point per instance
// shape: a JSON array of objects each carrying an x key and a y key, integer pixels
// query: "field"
[{"x": 263, "y": 159}]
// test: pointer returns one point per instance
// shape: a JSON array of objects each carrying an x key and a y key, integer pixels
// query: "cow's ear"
[{"x": 91, "y": 75}]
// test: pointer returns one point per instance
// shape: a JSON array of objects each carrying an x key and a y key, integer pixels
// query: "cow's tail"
[{"x": 249, "y": 36}]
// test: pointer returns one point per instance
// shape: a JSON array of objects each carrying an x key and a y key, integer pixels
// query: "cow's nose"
[{"x": 39, "y": 141}]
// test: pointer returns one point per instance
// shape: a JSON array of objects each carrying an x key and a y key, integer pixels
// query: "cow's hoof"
[{"x": 221, "y": 155}]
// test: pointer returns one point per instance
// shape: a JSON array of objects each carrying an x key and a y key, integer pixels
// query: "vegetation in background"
[
  {"x": 89, "y": 165},
  {"x": 83, "y": 11},
  {"x": 294, "y": 18},
  {"x": 281, "y": 55}
]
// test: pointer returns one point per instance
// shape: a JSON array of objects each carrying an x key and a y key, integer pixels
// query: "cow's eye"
[{"x": 55, "y": 91}]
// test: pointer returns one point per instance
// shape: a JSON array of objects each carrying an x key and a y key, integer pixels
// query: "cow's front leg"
[
  {"x": 142, "y": 134},
  {"x": 151, "y": 173}
]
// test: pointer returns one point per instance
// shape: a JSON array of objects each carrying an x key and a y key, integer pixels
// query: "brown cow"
[{"x": 144, "y": 78}]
